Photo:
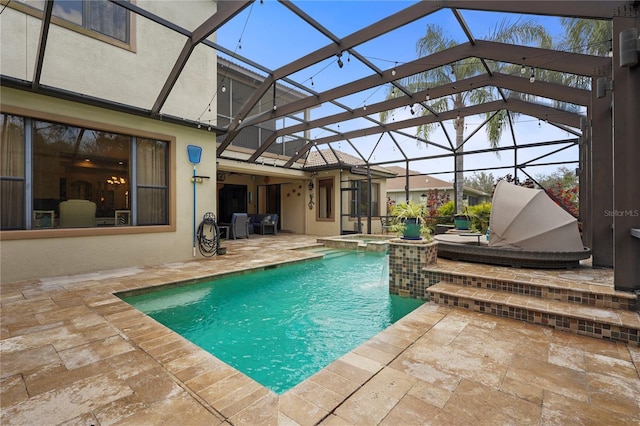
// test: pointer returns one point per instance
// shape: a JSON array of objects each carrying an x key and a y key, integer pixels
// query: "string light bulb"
[
  {"x": 340, "y": 63},
  {"x": 533, "y": 76},
  {"x": 393, "y": 71},
  {"x": 523, "y": 70},
  {"x": 223, "y": 88},
  {"x": 428, "y": 97}
]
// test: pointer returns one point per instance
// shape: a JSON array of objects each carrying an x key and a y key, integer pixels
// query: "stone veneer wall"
[{"x": 407, "y": 259}]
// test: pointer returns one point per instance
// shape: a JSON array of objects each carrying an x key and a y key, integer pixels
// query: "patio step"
[
  {"x": 608, "y": 323},
  {"x": 581, "y": 293}
]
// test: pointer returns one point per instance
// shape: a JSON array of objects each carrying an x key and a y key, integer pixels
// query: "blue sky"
[{"x": 273, "y": 36}]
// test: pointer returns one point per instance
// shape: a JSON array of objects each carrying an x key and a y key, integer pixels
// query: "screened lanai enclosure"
[{"x": 444, "y": 87}]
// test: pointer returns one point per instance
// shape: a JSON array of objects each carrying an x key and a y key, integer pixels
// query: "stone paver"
[{"x": 73, "y": 353}]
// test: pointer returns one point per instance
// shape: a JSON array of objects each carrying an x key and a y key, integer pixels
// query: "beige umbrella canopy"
[{"x": 527, "y": 219}]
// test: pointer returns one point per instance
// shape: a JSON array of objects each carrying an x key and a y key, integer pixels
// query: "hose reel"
[{"x": 208, "y": 235}]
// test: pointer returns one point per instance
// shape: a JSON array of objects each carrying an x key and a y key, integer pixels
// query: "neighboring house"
[{"x": 420, "y": 185}]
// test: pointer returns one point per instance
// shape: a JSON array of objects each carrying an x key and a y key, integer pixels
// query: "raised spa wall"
[
  {"x": 407, "y": 258},
  {"x": 357, "y": 242},
  {"x": 406, "y": 262}
]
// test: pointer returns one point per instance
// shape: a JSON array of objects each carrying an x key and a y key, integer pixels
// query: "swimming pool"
[{"x": 280, "y": 326}]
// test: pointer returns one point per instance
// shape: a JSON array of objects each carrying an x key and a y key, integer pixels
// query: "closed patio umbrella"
[{"x": 527, "y": 219}]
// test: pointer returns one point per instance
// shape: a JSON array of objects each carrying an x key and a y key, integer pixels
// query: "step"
[
  {"x": 598, "y": 296},
  {"x": 333, "y": 253},
  {"x": 599, "y": 322}
]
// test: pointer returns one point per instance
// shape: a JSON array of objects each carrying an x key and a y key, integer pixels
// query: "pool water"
[{"x": 280, "y": 326}]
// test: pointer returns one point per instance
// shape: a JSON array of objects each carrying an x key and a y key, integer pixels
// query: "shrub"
[
  {"x": 480, "y": 214},
  {"x": 446, "y": 212}
]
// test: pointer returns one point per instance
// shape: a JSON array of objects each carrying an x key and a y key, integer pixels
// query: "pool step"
[
  {"x": 608, "y": 323},
  {"x": 333, "y": 253}
]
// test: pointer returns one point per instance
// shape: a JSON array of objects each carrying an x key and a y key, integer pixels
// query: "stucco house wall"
[
  {"x": 36, "y": 253},
  {"x": 82, "y": 64}
]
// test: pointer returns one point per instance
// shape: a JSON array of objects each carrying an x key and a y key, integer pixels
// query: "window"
[
  {"x": 325, "y": 199},
  {"x": 362, "y": 200},
  {"x": 97, "y": 16},
  {"x": 121, "y": 179}
]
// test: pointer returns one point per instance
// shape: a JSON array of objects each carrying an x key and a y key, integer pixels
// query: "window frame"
[
  {"x": 81, "y": 29},
  {"x": 26, "y": 234}
]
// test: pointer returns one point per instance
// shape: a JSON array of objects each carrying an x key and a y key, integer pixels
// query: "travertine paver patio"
[{"x": 73, "y": 353}]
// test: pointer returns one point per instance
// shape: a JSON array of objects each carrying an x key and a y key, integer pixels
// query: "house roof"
[
  {"x": 333, "y": 159},
  {"x": 417, "y": 181},
  {"x": 421, "y": 182}
]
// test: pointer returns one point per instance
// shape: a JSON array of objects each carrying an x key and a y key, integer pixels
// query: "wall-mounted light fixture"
[
  {"x": 603, "y": 84},
  {"x": 629, "y": 47},
  {"x": 310, "y": 185}
]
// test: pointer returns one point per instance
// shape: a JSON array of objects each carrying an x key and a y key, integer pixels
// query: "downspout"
[
  {"x": 370, "y": 197},
  {"x": 406, "y": 181}
]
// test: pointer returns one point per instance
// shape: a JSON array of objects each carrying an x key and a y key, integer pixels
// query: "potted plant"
[
  {"x": 409, "y": 221},
  {"x": 462, "y": 220}
]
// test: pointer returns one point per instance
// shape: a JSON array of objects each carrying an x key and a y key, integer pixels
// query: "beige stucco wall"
[
  {"x": 134, "y": 76},
  {"x": 329, "y": 227},
  {"x": 44, "y": 253},
  {"x": 292, "y": 192},
  {"x": 92, "y": 67}
]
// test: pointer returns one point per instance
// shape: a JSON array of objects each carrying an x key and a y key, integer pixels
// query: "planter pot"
[
  {"x": 462, "y": 222},
  {"x": 412, "y": 229}
]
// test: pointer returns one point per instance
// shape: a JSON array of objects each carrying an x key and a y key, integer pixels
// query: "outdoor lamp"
[{"x": 310, "y": 185}]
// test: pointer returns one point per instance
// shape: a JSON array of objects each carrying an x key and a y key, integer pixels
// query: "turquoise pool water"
[{"x": 282, "y": 325}]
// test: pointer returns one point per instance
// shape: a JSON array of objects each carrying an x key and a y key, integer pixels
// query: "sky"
[{"x": 271, "y": 35}]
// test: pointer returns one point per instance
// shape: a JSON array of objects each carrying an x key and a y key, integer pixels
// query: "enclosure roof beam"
[
  {"x": 516, "y": 105},
  {"x": 390, "y": 23},
  {"x": 515, "y": 83},
  {"x": 225, "y": 12},
  {"x": 42, "y": 44},
  {"x": 584, "y": 9},
  {"x": 573, "y": 63}
]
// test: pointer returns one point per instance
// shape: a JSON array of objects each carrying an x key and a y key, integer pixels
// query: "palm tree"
[
  {"x": 523, "y": 32},
  {"x": 587, "y": 36}
]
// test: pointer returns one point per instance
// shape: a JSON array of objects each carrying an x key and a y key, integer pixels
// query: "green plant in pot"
[
  {"x": 463, "y": 220},
  {"x": 409, "y": 221}
]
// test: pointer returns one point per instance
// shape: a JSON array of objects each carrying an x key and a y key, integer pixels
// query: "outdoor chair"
[
  {"x": 269, "y": 223},
  {"x": 239, "y": 226},
  {"x": 386, "y": 222}
]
